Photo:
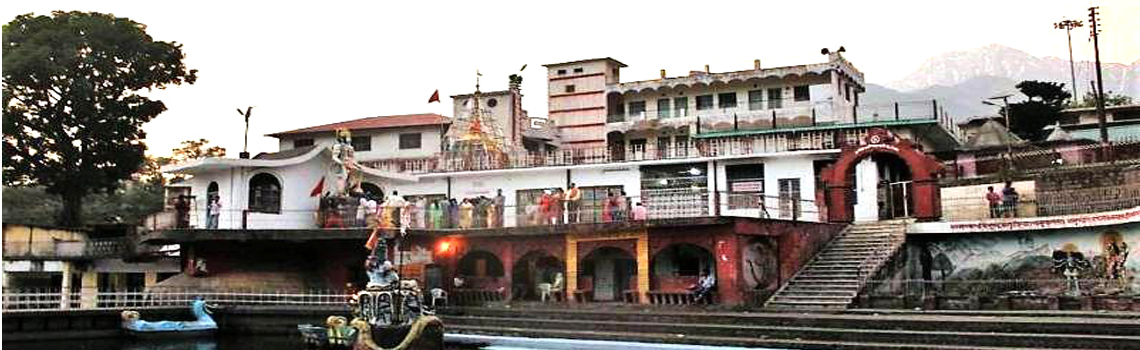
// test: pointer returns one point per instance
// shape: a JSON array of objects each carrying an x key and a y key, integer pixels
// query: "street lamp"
[
  {"x": 1008, "y": 126},
  {"x": 1068, "y": 26}
]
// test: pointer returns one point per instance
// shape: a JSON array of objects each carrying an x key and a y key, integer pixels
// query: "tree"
[
  {"x": 1043, "y": 108},
  {"x": 191, "y": 149},
  {"x": 73, "y": 114},
  {"x": 1110, "y": 99}
]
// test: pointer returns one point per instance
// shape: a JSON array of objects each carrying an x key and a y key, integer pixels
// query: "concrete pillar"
[
  {"x": 89, "y": 289},
  {"x": 65, "y": 285},
  {"x": 150, "y": 279},
  {"x": 571, "y": 268},
  {"x": 726, "y": 256},
  {"x": 643, "y": 267}
]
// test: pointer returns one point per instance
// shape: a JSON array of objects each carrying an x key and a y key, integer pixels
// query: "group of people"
[
  {"x": 553, "y": 207},
  {"x": 1003, "y": 204},
  {"x": 556, "y": 206}
]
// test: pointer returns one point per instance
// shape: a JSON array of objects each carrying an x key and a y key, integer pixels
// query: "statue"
[
  {"x": 1070, "y": 262},
  {"x": 346, "y": 171}
]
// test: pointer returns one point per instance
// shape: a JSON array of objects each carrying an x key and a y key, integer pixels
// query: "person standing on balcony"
[
  {"x": 452, "y": 213},
  {"x": 995, "y": 200},
  {"x": 215, "y": 211},
  {"x": 639, "y": 212},
  {"x": 608, "y": 207},
  {"x": 421, "y": 212},
  {"x": 466, "y": 214},
  {"x": 499, "y": 205},
  {"x": 626, "y": 205},
  {"x": 620, "y": 207},
  {"x": 573, "y": 202},
  {"x": 556, "y": 203},
  {"x": 1009, "y": 199},
  {"x": 182, "y": 209},
  {"x": 545, "y": 207}
]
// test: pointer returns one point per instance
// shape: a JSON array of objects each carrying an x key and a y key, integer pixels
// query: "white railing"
[{"x": 41, "y": 299}]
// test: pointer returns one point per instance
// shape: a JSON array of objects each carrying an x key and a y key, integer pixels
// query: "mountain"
[
  {"x": 962, "y": 100},
  {"x": 955, "y": 67},
  {"x": 960, "y": 80}
]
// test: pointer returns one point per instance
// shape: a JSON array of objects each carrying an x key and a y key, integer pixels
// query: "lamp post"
[
  {"x": 1068, "y": 26},
  {"x": 1008, "y": 126}
]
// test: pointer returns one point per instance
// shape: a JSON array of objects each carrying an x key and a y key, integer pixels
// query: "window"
[
  {"x": 298, "y": 143},
  {"x": 801, "y": 93},
  {"x": 704, "y": 102},
  {"x": 789, "y": 197},
  {"x": 492, "y": 103},
  {"x": 774, "y": 98},
  {"x": 636, "y": 108},
  {"x": 561, "y": 72},
  {"x": 681, "y": 104},
  {"x": 264, "y": 194},
  {"x": 410, "y": 141},
  {"x": 681, "y": 146},
  {"x": 755, "y": 100},
  {"x": 847, "y": 92},
  {"x": 727, "y": 100},
  {"x": 569, "y": 88},
  {"x": 362, "y": 143},
  {"x": 578, "y": 70},
  {"x": 663, "y": 108}
]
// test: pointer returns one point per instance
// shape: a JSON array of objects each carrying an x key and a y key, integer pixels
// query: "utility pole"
[
  {"x": 1068, "y": 26},
  {"x": 1099, "y": 82}
]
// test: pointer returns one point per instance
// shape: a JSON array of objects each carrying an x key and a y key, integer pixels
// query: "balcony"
[{"x": 67, "y": 250}]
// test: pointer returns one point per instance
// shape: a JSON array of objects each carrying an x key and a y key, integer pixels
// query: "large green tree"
[
  {"x": 73, "y": 112},
  {"x": 1043, "y": 108}
]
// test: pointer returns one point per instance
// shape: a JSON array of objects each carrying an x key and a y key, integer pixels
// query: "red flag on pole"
[
  {"x": 434, "y": 96},
  {"x": 319, "y": 188}
]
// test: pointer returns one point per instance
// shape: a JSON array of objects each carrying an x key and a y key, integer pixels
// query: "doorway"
[
  {"x": 883, "y": 188},
  {"x": 611, "y": 269}
]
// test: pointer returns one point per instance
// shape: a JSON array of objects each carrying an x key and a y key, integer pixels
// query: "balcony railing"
[
  {"x": 658, "y": 204},
  {"x": 43, "y": 299},
  {"x": 64, "y": 250}
]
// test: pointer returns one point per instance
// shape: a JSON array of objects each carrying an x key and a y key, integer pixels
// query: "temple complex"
[{"x": 767, "y": 186}]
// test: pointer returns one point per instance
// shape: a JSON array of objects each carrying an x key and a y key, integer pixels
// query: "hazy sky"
[{"x": 329, "y": 61}]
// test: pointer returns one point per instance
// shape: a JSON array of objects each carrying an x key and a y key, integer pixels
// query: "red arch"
[{"x": 925, "y": 171}]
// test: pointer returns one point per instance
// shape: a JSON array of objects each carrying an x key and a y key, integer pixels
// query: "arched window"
[{"x": 264, "y": 194}]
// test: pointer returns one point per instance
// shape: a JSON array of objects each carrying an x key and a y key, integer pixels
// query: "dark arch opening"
[
  {"x": 480, "y": 263},
  {"x": 533, "y": 269},
  {"x": 264, "y": 194}
]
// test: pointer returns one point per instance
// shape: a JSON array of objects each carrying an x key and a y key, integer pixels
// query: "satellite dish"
[{"x": 824, "y": 51}]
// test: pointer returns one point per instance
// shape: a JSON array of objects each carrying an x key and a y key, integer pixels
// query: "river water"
[{"x": 294, "y": 343}]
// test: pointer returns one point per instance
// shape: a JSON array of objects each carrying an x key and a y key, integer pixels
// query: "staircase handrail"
[{"x": 870, "y": 266}]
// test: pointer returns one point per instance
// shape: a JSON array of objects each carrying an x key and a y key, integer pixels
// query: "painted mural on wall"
[
  {"x": 1092, "y": 253},
  {"x": 758, "y": 263}
]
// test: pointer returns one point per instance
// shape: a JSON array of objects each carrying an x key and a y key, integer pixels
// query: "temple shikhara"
[{"x": 768, "y": 186}]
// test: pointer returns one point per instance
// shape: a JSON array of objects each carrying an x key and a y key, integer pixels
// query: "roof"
[
  {"x": 487, "y": 93},
  {"x": 1126, "y": 132},
  {"x": 991, "y": 134},
  {"x": 381, "y": 122},
  {"x": 286, "y": 154},
  {"x": 619, "y": 64},
  {"x": 1106, "y": 108}
]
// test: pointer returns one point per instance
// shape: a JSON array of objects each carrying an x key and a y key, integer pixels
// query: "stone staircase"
[{"x": 833, "y": 278}]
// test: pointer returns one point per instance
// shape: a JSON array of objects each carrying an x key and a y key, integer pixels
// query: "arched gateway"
[{"x": 910, "y": 190}]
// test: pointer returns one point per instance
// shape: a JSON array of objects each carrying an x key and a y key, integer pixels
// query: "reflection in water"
[{"x": 294, "y": 342}]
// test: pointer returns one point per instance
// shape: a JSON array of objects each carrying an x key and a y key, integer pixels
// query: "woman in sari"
[{"x": 466, "y": 214}]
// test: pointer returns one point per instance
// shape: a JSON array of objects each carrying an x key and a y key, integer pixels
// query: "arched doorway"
[
  {"x": 372, "y": 191},
  {"x": 883, "y": 188},
  {"x": 908, "y": 176},
  {"x": 680, "y": 265},
  {"x": 608, "y": 272},
  {"x": 534, "y": 268},
  {"x": 480, "y": 269}
]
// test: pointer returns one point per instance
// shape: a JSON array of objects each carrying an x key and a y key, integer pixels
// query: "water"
[{"x": 455, "y": 341}]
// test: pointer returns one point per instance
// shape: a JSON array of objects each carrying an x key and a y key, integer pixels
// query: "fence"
[
  {"x": 39, "y": 299},
  {"x": 66, "y": 249},
  {"x": 658, "y": 204},
  {"x": 997, "y": 287},
  {"x": 1045, "y": 159}
]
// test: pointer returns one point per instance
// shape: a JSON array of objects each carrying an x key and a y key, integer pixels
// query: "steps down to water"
[
  {"x": 805, "y": 330},
  {"x": 832, "y": 279}
]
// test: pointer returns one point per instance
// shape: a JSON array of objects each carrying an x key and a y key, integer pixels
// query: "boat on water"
[{"x": 202, "y": 325}]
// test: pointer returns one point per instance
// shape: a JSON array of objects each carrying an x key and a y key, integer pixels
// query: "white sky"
[{"x": 329, "y": 61}]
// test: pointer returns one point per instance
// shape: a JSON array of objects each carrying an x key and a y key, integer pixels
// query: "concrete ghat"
[{"x": 520, "y": 343}]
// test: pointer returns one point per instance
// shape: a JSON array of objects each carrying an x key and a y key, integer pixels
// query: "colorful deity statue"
[
  {"x": 1069, "y": 262},
  {"x": 345, "y": 170}
]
